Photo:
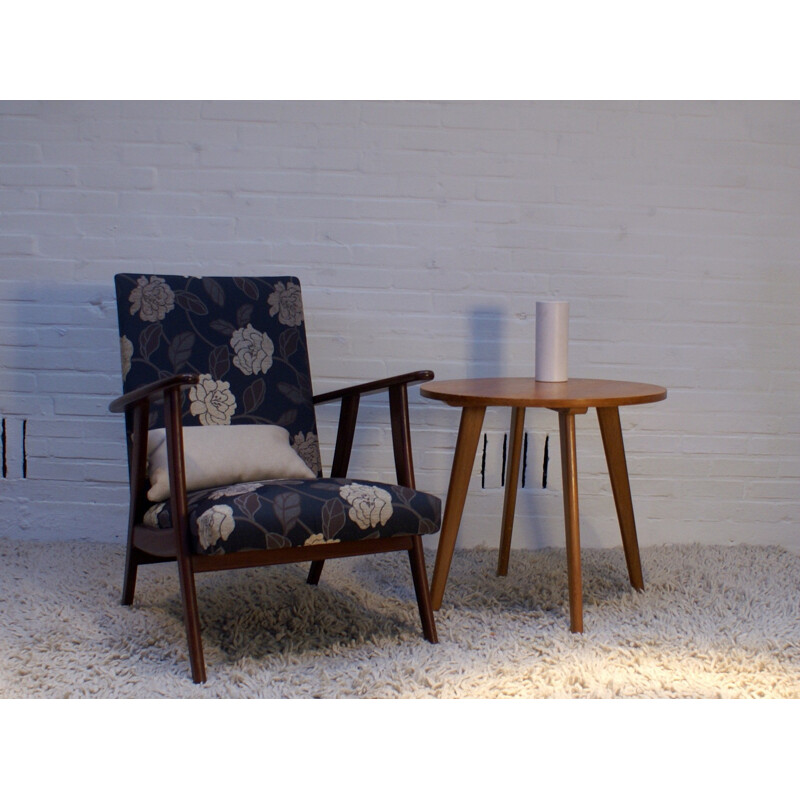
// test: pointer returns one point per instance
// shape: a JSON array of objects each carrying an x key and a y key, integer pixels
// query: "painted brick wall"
[{"x": 423, "y": 234}]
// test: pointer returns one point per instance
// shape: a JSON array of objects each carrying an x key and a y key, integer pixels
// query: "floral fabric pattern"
[
  {"x": 253, "y": 350},
  {"x": 298, "y": 513},
  {"x": 307, "y": 447},
  {"x": 152, "y": 299},
  {"x": 213, "y": 525},
  {"x": 370, "y": 506},
  {"x": 245, "y": 337},
  {"x": 212, "y": 402},
  {"x": 286, "y": 302},
  {"x": 125, "y": 354}
]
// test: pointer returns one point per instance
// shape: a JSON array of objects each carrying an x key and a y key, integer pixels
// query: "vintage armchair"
[{"x": 223, "y": 454}]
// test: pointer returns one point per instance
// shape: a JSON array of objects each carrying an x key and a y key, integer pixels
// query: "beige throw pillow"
[{"x": 220, "y": 455}]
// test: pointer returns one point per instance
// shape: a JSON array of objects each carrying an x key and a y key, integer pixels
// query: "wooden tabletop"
[{"x": 528, "y": 392}]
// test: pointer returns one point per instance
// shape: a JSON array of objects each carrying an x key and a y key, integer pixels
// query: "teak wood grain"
[{"x": 528, "y": 392}]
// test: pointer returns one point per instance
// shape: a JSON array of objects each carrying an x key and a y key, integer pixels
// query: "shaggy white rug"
[{"x": 713, "y": 622}]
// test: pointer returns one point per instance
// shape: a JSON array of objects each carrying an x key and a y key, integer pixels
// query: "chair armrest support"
[
  {"x": 397, "y": 387},
  {"x": 136, "y": 406},
  {"x": 131, "y": 399}
]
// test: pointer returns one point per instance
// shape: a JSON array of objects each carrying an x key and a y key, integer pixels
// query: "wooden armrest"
[
  {"x": 374, "y": 386},
  {"x": 127, "y": 401}
]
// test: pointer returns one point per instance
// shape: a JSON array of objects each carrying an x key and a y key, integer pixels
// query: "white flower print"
[
  {"x": 286, "y": 302},
  {"x": 153, "y": 300},
  {"x": 126, "y": 354},
  {"x": 253, "y": 350},
  {"x": 151, "y": 515},
  {"x": 212, "y": 401},
  {"x": 370, "y": 506},
  {"x": 319, "y": 538},
  {"x": 214, "y": 524},
  {"x": 307, "y": 447},
  {"x": 236, "y": 489}
]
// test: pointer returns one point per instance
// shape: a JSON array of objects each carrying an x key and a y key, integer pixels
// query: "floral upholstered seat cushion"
[{"x": 296, "y": 513}]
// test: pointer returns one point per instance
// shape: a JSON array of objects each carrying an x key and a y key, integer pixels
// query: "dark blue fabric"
[
  {"x": 295, "y": 513},
  {"x": 244, "y": 336}
]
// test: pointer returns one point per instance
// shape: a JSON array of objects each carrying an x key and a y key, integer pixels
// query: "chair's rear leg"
[
  {"x": 416, "y": 556},
  {"x": 315, "y": 570},
  {"x": 129, "y": 579},
  {"x": 191, "y": 619}
]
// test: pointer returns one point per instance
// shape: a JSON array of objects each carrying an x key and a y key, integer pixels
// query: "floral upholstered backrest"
[{"x": 245, "y": 337}]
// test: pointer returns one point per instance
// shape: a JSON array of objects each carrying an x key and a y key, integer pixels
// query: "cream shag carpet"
[{"x": 713, "y": 622}]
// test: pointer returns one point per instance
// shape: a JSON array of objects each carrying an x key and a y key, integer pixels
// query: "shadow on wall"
[
  {"x": 487, "y": 336},
  {"x": 59, "y": 368}
]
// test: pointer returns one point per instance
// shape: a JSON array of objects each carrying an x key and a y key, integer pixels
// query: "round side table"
[{"x": 567, "y": 398}]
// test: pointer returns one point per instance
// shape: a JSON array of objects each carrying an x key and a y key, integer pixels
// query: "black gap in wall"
[
  {"x": 546, "y": 459},
  {"x": 5, "y": 462},
  {"x": 524, "y": 457},
  {"x": 24, "y": 449},
  {"x": 503, "y": 470},
  {"x": 483, "y": 462}
]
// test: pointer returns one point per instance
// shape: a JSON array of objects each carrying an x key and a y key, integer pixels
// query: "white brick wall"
[{"x": 423, "y": 233}]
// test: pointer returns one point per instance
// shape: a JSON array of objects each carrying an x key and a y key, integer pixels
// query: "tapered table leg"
[
  {"x": 611, "y": 432},
  {"x": 469, "y": 432},
  {"x": 512, "y": 478},
  {"x": 569, "y": 474}
]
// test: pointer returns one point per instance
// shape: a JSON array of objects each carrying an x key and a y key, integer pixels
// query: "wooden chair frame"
[{"x": 148, "y": 545}]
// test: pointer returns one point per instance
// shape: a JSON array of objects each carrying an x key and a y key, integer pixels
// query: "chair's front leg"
[
  {"x": 179, "y": 513},
  {"x": 137, "y": 475},
  {"x": 420, "y": 577}
]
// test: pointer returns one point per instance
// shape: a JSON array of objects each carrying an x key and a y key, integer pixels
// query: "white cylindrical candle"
[{"x": 552, "y": 336}]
